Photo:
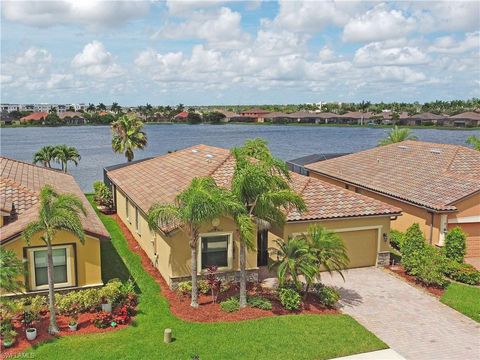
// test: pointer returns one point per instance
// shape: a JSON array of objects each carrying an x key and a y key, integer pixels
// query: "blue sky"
[{"x": 238, "y": 52}]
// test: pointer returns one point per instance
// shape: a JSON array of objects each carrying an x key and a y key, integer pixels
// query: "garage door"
[{"x": 361, "y": 247}]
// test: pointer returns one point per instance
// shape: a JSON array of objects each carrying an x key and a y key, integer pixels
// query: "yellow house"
[
  {"x": 435, "y": 185},
  {"x": 76, "y": 265},
  {"x": 362, "y": 222}
]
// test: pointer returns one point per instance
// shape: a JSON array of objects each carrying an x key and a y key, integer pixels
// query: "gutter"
[{"x": 394, "y": 215}]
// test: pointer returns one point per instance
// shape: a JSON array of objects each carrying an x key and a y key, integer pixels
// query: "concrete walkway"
[
  {"x": 387, "y": 354},
  {"x": 413, "y": 323}
]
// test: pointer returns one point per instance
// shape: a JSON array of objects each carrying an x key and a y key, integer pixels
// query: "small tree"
[
  {"x": 456, "y": 244},
  {"x": 11, "y": 268},
  {"x": 413, "y": 243},
  {"x": 194, "y": 118}
]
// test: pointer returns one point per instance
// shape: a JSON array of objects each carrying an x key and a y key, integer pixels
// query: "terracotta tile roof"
[
  {"x": 471, "y": 115},
  {"x": 160, "y": 179},
  {"x": 303, "y": 114},
  {"x": 356, "y": 115},
  {"x": 20, "y": 183},
  {"x": 428, "y": 116},
  {"x": 254, "y": 111},
  {"x": 71, "y": 114},
  {"x": 35, "y": 116},
  {"x": 182, "y": 115},
  {"x": 432, "y": 175}
]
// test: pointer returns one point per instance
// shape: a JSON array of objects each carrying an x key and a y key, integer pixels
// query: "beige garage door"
[{"x": 361, "y": 247}]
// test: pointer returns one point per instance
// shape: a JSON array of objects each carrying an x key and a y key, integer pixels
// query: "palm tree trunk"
[
  {"x": 53, "y": 327},
  {"x": 66, "y": 166},
  {"x": 194, "y": 303},
  {"x": 243, "y": 275}
]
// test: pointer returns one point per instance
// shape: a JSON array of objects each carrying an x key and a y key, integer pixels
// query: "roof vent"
[
  {"x": 402, "y": 147},
  {"x": 195, "y": 151},
  {"x": 209, "y": 156},
  {"x": 436, "y": 151}
]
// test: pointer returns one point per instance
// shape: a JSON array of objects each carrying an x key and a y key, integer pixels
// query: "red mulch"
[
  {"x": 399, "y": 270},
  {"x": 85, "y": 326},
  {"x": 208, "y": 311}
]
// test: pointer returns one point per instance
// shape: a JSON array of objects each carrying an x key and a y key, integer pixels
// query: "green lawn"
[
  {"x": 463, "y": 298},
  {"x": 283, "y": 337}
]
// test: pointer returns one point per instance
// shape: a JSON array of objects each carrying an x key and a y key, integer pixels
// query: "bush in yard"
[
  {"x": 259, "y": 302},
  {"x": 327, "y": 296},
  {"x": 289, "y": 298},
  {"x": 428, "y": 266},
  {"x": 185, "y": 287},
  {"x": 465, "y": 273},
  {"x": 456, "y": 244},
  {"x": 413, "y": 244},
  {"x": 396, "y": 239},
  {"x": 230, "y": 305},
  {"x": 103, "y": 320},
  {"x": 103, "y": 195}
]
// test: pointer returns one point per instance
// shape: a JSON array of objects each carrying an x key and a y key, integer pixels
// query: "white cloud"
[
  {"x": 397, "y": 73},
  {"x": 221, "y": 29},
  {"x": 447, "y": 15},
  {"x": 379, "y": 23},
  {"x": 185, "y": 7},
  {"x": 275, "y": 43},
  {"x": 59, "y": 80},
  {"x": 448, "y": 44},
  {"x": 380, "y": 53},
  {"x": 95, "y": 60},
  {"x": 91, "y": 13}
]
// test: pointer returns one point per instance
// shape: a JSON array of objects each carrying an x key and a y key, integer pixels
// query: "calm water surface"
[{"x": 286, "y": 142}]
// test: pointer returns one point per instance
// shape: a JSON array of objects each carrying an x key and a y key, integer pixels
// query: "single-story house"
[
  {"x": 181, "y": 116},
  {"x": 305, "y": 117},
  {"x": 278, "y": 117},
  {"x": 425, "y": 118},
  {"x": 465, "y": 119},
  {"x": 73, "y": 117},
  {"x": 76, "y": 265},
  {"x": 36, "y": 116},
  {"x": 354, "y": 117},
  {"x": 229, "y": 115},
  {"x": 257, "y": 115},
  {"x": 362, "y": 222},
  {"x": 435, "y": 185}
]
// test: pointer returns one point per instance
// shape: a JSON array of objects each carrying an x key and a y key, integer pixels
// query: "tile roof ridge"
[
  {"x": 448, "y": 167},
  {"x": 230, "y": 155},
  {"x": 35, "y": 165}
]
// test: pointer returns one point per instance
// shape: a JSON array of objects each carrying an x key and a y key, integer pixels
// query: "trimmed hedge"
[{"x": 456, "y": 244}]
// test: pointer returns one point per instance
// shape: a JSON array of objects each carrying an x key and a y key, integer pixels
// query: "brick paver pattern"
[{"x": 412, "y": 322}]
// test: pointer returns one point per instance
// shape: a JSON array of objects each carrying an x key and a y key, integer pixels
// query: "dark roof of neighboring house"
[
  {"x": 254, "y": 111},
  {"x": 356, "y": 115},
  {"x": 20, "y": 184},
  {"x": 162, "y": 178},
  {"x": 309, "y": 159},
  {"x": 469, "y": 115},
  {"x": 428, "y": 116},
  {"x": 431, "y": 175},
  {"x": 327, "y": 115},
  {"x": 35, "y": 116}
]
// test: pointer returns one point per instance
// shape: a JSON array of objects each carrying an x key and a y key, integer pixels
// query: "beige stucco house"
[
  {"x": 435, "y": 185},
  {"x": 361, "y": 221}
]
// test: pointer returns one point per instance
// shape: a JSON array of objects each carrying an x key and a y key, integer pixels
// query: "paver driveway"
[{"x": 413, "y": 323}]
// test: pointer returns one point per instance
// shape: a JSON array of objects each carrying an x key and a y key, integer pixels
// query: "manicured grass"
[
  {"x": 463, "y": 298},
  {"x": 283, "y": 337}
]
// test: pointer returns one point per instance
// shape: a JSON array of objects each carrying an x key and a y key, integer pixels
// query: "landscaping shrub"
[
  {"x": 259, "y": 302},
  {"x": 112, "y": 291},
  {"x": 103, "y": 320},
  {"x": 289, "y": 298},
  {"x": 396, "y": 239},
  {"x": 327, "y": 296},
  {"x": 103, "y": 195},
  {"x": 428, "y": 265},
  {"x": 185, "y": 287},
  {"x": 455, "y": 244},
  {"x": 230, "y": 305},
  {"x": 121, "y": 315},
  {"x": 464, "y": 273},
  {"x": 413, "y": 244}
]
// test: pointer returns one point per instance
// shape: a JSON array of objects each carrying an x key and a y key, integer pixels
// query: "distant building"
[
  {"x": 257, "y": 115},
  {"x": 181, "y": 116},
  {"x": 36, "y": 116},
  {"x": 73, "y": 117},
  {"x": 465, "y": 119}
]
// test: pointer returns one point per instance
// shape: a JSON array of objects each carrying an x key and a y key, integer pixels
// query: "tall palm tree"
[
  {"x": 474, "y": 141},
  {"x": 198, "y": 204},
  {"x": 397, "y": 135},
  {"x": 101, "y": 107},
  {"x": 262, "y": 186},
  {"x": 58, "y": 212},
  {"x": 328, "y": 249},
  {"x": 115, "y": 107},
  {"x": 128, "y": 135},
  {"x": 91, "y": 107},
  {"x": 45, "y": 156},
  {"x": 65, "y": 154}
]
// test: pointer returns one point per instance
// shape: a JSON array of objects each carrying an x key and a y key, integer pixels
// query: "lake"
[{"x": 286, "y": 142}]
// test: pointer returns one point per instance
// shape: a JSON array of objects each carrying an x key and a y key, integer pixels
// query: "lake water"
[{"x": 286, "y": 142}]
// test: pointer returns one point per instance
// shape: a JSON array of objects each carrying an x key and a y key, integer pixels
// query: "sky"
[{"x": 238, "y": 52}]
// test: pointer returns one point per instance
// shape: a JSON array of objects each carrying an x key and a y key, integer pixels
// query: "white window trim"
[
  {"x": 31, "y": 258},
  {"x": 229, "y": 251}
]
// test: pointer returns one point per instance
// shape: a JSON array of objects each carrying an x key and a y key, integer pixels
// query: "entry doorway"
[{"x": 262, "y": 248}]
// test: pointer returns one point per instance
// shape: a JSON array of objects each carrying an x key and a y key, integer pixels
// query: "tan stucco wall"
[
  {"x": 468, "y": 208},
  {"x": 173, "y": 251},
  {"x": 87, "y": 264},
  {"x": 361, "y": 236}
]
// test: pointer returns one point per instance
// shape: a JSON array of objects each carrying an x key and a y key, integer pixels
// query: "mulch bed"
[
  {"x": 399, "y": 270},
  {"x": 207, "y": 310},
  {"x": 85, "y": 326}
]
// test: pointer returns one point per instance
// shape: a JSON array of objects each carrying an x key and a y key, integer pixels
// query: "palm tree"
[
  {"x": 45, "y": 156},
  {"x": 198, "y": 204},
  {"x": 474, "y": 141},
  {"x": 397, "y": 135},
  {"x": 58, "y": 212},
  {"x": 65, "y": 154},
  {"x": 91, "y": 107},
  {"x": 294, "y": 258},
  {"x": 101, "y": 107},
  {"x": 115, "y": 107},
  {"x": 328, "y": 249},
  {"x": 128, "y": 135},
  {"x": 12, "y": 269},
  {"x": 263, "y": 188}
]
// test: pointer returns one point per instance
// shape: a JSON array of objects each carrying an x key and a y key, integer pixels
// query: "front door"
[{"x": 262, "y": 248}]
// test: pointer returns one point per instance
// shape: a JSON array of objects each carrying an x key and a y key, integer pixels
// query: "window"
[
  {"x": 216, "y": 250},
  {"x": 137, "y": 221},
  {"x": 127, "y": 209},
  {"x": 61, "y": 267}
]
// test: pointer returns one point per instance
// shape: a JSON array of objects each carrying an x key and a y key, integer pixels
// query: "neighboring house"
[
  {"x": 73, "y": 117},
  {"x": 435, "y": 185},
  {"x": 465, "y": 119},
  {"x": 298, "y": 165},
  {"x": 229, "y": 115},
  {"x": 305, "y": 117},
  {"x": 36, "y": 116},
  {"x": 354, "y": 117},
  {"x": 182, "y": 116},
  {"x": 425, "y": 118},
  {"x": 257, "y": 115},
  {"x": 327, "y": 117},
  {"x": 76, "y": 265},
  {"x": 278, "y": 117},
  {"x": 363, "y": 223}
]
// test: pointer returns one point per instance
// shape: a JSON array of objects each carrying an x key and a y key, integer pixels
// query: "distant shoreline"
[{"x": 259, "y": 124}]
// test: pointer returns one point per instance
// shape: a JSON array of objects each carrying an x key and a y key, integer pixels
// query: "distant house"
[
  {"x": 298, "y": 165},
  {"x": 229, "y": 115},
  {"x": 465, "y": 119},
  {"x": 354, "y": 117},
  {"x": 73, "y": 117},
  {"x": 426, "y": 118},
  {"x": 6, "y": 118},
  {"x": 278, "y": 117},
  {"x": 305, "y": 117},
  {"x": 181, "y": 116},
  {"x": 328, "y": 117},
  {"x": 257, "y": 115},
  {"x": 36, "y": 116}
]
